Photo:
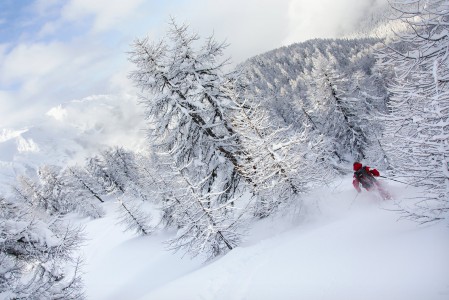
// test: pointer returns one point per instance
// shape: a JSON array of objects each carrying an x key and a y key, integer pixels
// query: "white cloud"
[
  {"x": 327, "y": 18},
  {"x": 8, "y": 112},
  {"x": 48, "y": 29},
  {"x": 66, "y": 64},
  {"x": 8, "y": 134},
  {"x": 106, "y": 13},
  {"x": 42, "y": 7},
  {"x": 102, "y": 120},
  {"x": 58, "y": 113},
  {"x": 250, "y": 27},
  {"x": 40, "y": 75},
  {"x": 26, "y": 145},
  {"x": 32, "y": 60}
]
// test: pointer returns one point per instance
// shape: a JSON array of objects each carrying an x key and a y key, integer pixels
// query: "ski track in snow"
[{"x": 344, "y": 247}]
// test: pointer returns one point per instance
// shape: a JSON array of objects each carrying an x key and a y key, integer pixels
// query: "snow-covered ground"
[{"x": 341, "y": 247}]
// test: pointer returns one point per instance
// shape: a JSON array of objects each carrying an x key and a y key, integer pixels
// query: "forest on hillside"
[{"x": 228, "y": 148}]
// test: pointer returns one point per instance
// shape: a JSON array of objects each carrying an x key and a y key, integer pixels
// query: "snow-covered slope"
[{"x": 343, "y": 246}]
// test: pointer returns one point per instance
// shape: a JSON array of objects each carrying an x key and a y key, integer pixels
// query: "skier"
[{"x": 365, "y": 176}]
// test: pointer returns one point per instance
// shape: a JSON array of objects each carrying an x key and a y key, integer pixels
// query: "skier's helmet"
[{"x": 357, "y": 166}]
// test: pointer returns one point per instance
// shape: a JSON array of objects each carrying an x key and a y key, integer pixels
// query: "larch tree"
[
  {"x": 204, "y": 226},
  {"x": 281, "y": 164},
  {"x": 34, "y": 253},
  {"x": 45, "y": 191},
  {"x": 82, "y": 192},
  {"x": 58, "y": 192},
  {"x": 117, "y": 173},
  {"x": 418, "y": 124},
  {"x": 124, "y": 171},
  {"x": 334, "y": 113},
  {"x": 187, "y": 108}
]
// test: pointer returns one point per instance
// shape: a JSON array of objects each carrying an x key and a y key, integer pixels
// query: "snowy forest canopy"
[{"x": 228, "y": 148}]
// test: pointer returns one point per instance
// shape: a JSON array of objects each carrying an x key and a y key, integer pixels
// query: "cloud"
[
  {"x": 106, "y": 13},
  {"x": 328, "y": 18},
  {"x": 36, "y": 76},
  {"x": 250, "y": 27},
  {"x": 32, "y": 60},
  {"x": 42, "y": 7},
  {"x": 58, "y": 113},
  {"x": 100, "y": 121},
  {"x": 48, "y": 29},
  {"x": 72, "y": 131},
  {"x": 79, "y": 48}
]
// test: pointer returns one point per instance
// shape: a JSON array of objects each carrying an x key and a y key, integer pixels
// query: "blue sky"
[{"x": 55, "y": 51}]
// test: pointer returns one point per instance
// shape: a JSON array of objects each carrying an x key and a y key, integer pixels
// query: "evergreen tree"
[
  {"x": 34, "y": 251},
  {"x": 82, "y": 192},
  {"x": 116, "y": 170},
  {"x": 204, "y": 226},
  {"x": 45, "y": 192},
  {"x": 123, "y": 171},
  {"x": 83, "y": 181},
  {"x": 418, "y": 126},
  {"x": 332, "y": 87},
  {"x": 133, "y": 216},
  {"x": 187, "y": 108},
  {"x": 281, "y": 164},
  {"x": 97, "y": 170},
  {"x": 335, "y": 114}
]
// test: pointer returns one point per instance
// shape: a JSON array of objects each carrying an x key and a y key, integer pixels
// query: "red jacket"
[{"x": 355, "y": 181}]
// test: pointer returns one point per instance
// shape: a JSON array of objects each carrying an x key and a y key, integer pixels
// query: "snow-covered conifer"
[
  {"x": 117, "y": 172},
  {"x": 334, "y": 113},
  {"x": 298, "y": 86},
  {"x": 82, "y": 191},
  {"x": 34, "y": 251},
  {"x": 134, "y": 217},
  {"x": 418, "y": 127},
  {"x": 46, "y": 191},
  {"x": 204, "y": 226},
  {"x": 281, "y": 164},
  {"x": 187, "y": 108}
]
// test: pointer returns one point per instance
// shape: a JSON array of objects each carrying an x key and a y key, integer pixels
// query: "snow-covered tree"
[
  {"x": 335, "y": 114},
  {"x": 331, "y": 86},
  {"x": 418, "y": 126},
  {"x": 107, "y": 174},
  {"x": 367, "y": 98},
  {"x": 116, "y": 170},
  {"x": 58, "y": 191},
  {"x": 80, "y": 177},
  {"x": 280, "y": 164},
  {"x": 187, "y": 108},
  {"x": 34, "y": 253},
  {"x": 82, "y": 191},
  {"x": 133, "y": 216},
  {"x": 156, "y": 181},
  {"x": 97, "y": 170},
  {"x": 27, "y": 190},
  {"x": 46, "y": 191},
  {"x": 204, "y": 226}
]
